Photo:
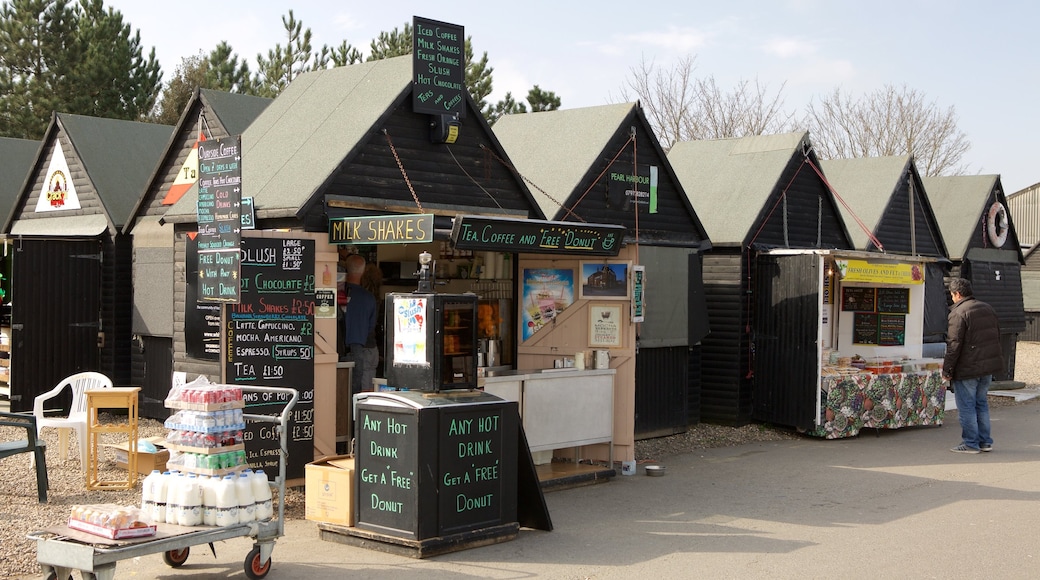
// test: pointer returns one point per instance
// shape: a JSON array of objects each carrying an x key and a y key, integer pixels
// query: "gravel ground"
[{"x": 21, "y": 513}]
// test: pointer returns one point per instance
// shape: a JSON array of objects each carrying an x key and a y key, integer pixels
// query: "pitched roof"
[
  {"x": 958, "y": 202},
  {"x": 299, "y": 141},
  {"x": 16, "y": 159},
  {"x": 235, "y": 111},
  {"x": 730, "y": 180},
  {"x": 555, "y": 149},
  {"x": 866, "y": 185}
]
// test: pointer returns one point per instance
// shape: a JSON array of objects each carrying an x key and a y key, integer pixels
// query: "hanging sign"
[
  {"x": 536, "y": 236},
  {"x": 638, "y": 282},
  {"x": 438, "y": 67},
  {"x": 219, "y": 217},
  {"x": 385, "y": 229},
  {"x": 625, "y": 189},
  {"x": 866, "y": 271}
]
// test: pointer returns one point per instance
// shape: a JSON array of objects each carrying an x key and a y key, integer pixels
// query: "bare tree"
[
  {"x": 681, "y": 107},
  {"x": 889, "y": 121}
]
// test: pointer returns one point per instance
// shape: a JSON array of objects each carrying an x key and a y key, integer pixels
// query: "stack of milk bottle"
[
  {"x": 174, "y": 497},
  {"x": 208, "y": 482}
]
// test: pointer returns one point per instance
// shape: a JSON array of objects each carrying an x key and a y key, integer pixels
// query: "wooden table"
[{"x": 124, "y": 398}]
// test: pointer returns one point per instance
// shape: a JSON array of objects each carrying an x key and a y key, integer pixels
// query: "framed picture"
[
  {"x": 546, "y": 293},
  {"x": 605, "y": 280},
  {"x": 605, "y": 325}
]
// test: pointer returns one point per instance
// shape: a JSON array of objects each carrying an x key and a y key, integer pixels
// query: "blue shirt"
[{"x": 359, "y": 318}]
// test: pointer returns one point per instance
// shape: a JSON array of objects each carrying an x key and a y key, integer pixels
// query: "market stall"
[{"x": 839, "y": 343}]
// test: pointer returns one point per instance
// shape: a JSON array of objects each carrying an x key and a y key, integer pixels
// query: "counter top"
[{"x": 523, "y": 375}]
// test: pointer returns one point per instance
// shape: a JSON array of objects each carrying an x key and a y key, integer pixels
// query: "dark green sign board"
[
  {"x": 386, "y": 229},
  {"x": 536, "y": 236},
  {"x": 438, "y": 67}
]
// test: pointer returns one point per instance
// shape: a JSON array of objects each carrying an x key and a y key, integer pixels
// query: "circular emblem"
[{"x": 997, "y": 224}]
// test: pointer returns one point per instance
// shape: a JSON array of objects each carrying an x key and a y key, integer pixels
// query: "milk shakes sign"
[{"x": 438, "y": 68}]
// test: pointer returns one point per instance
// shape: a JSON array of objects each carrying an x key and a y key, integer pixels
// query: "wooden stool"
[{"x": 113, "y": 398}]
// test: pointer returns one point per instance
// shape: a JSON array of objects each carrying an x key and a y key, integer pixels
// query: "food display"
[{"x": 111, "y": 521}]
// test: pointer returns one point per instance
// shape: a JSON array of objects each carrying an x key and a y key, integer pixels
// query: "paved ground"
[{"x": 895, "y": 505}]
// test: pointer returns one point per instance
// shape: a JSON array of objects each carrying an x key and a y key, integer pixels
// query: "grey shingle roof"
[
  {"x": 866, "y": 185},
  {"x": 728, "y": 181},
  {"x": 958, "y": 202},
  {"x": 299, "y": 141},
  {"x": 16, "y": 159},
  {"x": 555, "y": 149}
]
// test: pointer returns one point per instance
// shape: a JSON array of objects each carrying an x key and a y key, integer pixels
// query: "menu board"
[
  {"x": 201, "y": 319},
  {"x": 438, "y": 67},
  {"x": 858, "y": 299},
  {"x": 219, "y": 218},
  {"x": 891, "y": 330},
  {"x": 864, "y": 328},
  {"x": 270, "y": 341},
  {"x": 893, "y": 300},
  {"x": 388, "y": 470}
]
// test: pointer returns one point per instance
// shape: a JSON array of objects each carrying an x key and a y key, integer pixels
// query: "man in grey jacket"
[{"x": 972, "y": 357}]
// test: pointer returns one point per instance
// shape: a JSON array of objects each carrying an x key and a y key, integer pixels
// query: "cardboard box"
[
  {"x": 329, "y": 484},
  {"x": 146, "y": 462}
]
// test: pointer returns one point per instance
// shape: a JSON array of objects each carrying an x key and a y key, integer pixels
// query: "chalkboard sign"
[
  {"x": 891, "y": 330},
  {"x": 219, "y": 218},
  {"x": 857, "y": 299},
  {"x": 893, "y": 300},
  {"x": 864, "y": 328},
  {"x": 431, "y": 465},
  {"x": 270, "y": 341},
  {"x": 201, "y": 319},
  {"x": 538, "y": 236},
  {"x": 477, "y": 466},
  {"x": 438, "y": 67}
]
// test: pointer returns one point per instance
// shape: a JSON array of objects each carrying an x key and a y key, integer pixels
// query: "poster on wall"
[
  {"x": 604, "y": 325},
  {"x": 607, "y": 280},
  {"x": 638, "y": 298},
  {"x": 547, "y": 292},
  {"x": 410, "y": 318}
]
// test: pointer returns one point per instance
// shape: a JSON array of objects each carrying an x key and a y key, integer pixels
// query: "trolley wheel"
[
  {"x": 175, "y": 558},
  {"x": 254, "y": 568}
]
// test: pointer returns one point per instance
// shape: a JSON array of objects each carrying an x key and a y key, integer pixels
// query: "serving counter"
[
  {"x": 560, "y": 408},
  {"x": 851, "y": 402}
]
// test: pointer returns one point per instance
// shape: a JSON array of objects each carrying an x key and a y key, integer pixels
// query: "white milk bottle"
[
  {"x": 262, "y": 495},
  {"x": 189, "y": 513},
  {"x": 148, "y": 491},
  {"x": 158, "y": 512},
  {"x": 173, "y": 496},
  {"x": 246, "y": 503},
  {"x": 227, "y": 502},
  {"x": 209, "y": 500}
]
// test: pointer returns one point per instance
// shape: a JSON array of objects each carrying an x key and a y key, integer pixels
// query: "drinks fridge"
[{"x": 431, "y": 341}]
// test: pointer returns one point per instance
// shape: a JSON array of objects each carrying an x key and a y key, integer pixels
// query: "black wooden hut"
[
  {"x": 581, "y": 163},
  {"x": 886, "y": 209},
  {"x": 16, "y": 157},
  {"x": 984, "y": 248},
  {"x": 209, "y": 114},
  {"x": 345, "y": 142},
  {"x": 71, "y": 270},
  {"x": 753, "y": 193}
]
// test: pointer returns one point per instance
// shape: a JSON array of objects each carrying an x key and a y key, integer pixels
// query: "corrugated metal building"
[
  {"x": 575, "y": 159},
  {"x": 1024, "y": 205},
  {"x": 72, "y": 264},
  {"x": 983, "y": 244},
  {"x": 753, "y": 193}
]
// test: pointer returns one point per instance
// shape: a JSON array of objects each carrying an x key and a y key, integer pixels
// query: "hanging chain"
[
  {"x": 403, "y": 173},
  {"x": 524, "y": 177}
]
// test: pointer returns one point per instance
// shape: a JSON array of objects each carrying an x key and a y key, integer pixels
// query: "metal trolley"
[{"x": 60, "y": 554}]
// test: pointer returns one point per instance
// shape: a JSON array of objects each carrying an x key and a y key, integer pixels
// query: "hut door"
[
  {"x": 55, "y": 314},
  {"x": 786, "y": 329}
]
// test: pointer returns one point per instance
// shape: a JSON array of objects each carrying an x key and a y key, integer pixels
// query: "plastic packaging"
[
  {"x": 262, "y": 495},
  {"x": 227, "y": 502},
  {"x": 246, "y": 503},
  {"x": 150, "y": 491},
  {"x": 209, "y": 500},
  {"x": 173, "y": 496},
  {"x": 189, "y": 509}
]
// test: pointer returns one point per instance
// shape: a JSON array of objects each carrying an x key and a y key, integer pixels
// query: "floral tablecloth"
[{"x": 884, "y": 401}]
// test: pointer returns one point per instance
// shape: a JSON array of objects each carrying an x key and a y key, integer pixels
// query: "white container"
[
  {"x": 189, "y": 512},
  {"x": 149, "y": 491},
  {"x": 602, "y": 359},
  {"x": 262, "y": 495},
  {"x": 209, "y": 500},
  {"x": 246, "y": 503},
  {"x": 628, "y": 468},
  {"x": 227, "y": 502},
  {"x": 173, "y": 496},
  {"x": 159, "y": 500}
]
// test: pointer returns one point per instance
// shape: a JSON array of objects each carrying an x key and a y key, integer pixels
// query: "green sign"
[
  {"x": 386, "y": 229},
  {"x": 438, "y": 67},
  {"x": 536, "y": 236}
]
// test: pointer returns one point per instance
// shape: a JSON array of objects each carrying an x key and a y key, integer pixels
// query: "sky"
[{"x": 981, "y": 59}]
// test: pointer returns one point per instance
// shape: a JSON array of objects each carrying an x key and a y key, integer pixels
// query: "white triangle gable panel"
[{"x": 58, "y": 192}]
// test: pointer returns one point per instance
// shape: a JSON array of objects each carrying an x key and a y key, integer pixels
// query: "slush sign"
[{"x": 390, "y": 229}]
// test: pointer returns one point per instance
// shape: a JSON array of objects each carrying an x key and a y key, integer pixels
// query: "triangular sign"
[{"x": 187, "y": 176}]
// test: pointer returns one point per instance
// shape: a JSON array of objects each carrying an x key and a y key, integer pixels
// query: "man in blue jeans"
[{"x": 972, "y": 357}]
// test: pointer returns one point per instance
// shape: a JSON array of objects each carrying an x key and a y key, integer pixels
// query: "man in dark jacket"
[{"x": 972, "y": 357}]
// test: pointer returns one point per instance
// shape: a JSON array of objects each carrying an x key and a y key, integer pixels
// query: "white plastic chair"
[{"x": 77, "y": 418}]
